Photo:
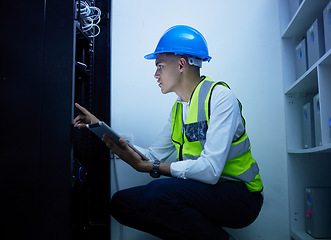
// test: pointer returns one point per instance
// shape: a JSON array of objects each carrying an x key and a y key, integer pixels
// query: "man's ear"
[{"x": 182, "y": 64}]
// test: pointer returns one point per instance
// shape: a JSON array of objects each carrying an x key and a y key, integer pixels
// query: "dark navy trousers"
[{"x": 172, "y": 208}]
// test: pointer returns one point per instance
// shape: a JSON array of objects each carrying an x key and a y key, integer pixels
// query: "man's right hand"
[{"x": 81, "y": 120}]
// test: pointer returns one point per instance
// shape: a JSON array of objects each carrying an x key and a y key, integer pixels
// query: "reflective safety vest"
[{"x": 189, "y": 137}]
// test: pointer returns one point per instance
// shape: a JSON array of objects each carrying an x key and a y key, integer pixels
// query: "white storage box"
[
  {"x": 318, "y": 212},
  {"x": 317, "y": 121},
  {"x": 301, "y": 58},
  {"x": 327, "y": 26},
  {"x": 315, "y": 42},
  {"x": 307, "y": 126}
]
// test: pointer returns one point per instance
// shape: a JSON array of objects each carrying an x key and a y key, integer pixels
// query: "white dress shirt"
[{"x": 225, "y": 124}]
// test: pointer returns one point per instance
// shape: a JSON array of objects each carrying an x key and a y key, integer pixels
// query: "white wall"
[{"x": 244, "y": 41}]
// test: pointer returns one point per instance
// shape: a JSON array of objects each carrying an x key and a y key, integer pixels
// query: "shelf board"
[
  {"x": 304, "y": 17},
  {"x": 319, "y": 149},
  {"x": 299, "y": 234},
  {"x": 308, "y": 81}
]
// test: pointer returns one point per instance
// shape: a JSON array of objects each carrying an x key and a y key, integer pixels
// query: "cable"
[
  {"x": 84, "y": 9},
  {"x": 90, "y": 16},
  {"x": 113, "y": 159}
]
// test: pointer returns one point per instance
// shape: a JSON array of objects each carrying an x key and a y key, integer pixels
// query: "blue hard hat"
[{"x": 181, "y": 39}]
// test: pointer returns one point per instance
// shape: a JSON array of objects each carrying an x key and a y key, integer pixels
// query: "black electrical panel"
[
  {"x": 90, "y": 186},
  {"x": 55, "y": 178}
]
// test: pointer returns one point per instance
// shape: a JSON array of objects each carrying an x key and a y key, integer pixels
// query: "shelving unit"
[
  {"x": 307, "y": 167},
  {"x": 300, "y": 234}
]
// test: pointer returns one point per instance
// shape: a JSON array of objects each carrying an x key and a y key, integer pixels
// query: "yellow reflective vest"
[{"x": 189, "y": 137}]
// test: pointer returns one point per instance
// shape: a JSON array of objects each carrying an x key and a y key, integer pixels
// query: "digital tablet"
[{"x": 101, "y": 128}]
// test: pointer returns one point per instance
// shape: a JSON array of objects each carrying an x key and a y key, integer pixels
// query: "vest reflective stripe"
[
  {"x": 250, "y": 173},
  {"x": 246, "y": 176},
  {"x": 236, "y": 150},
  {"x": 190, "y": 137},
  {"x": 239, "y": 148},
  {"x": 202, "y": 117}
]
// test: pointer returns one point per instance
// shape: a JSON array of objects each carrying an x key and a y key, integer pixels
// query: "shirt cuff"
[{"x": 178, "y": 169}]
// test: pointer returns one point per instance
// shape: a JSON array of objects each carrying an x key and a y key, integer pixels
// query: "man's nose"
[{"x": 156, "y": 75}]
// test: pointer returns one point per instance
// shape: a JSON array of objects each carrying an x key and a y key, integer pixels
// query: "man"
[{"x": 215, "y": 181}]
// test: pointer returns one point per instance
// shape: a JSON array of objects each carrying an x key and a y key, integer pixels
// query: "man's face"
[{"x": 167, "y": 72}]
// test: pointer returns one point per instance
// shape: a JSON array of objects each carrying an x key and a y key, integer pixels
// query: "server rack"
[
  {"x": 55, "y": 180},
  {"x": 91, "y": 189}
]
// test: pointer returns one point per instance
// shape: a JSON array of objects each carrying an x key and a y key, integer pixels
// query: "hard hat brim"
[
  {"x": 153, "y": 55},
  {"x": 150, "y": 56}
]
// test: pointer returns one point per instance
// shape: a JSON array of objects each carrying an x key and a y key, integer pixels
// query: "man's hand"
[
  {"x": 127, "y": 154},
  {"x": 81, "y": 120}
]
